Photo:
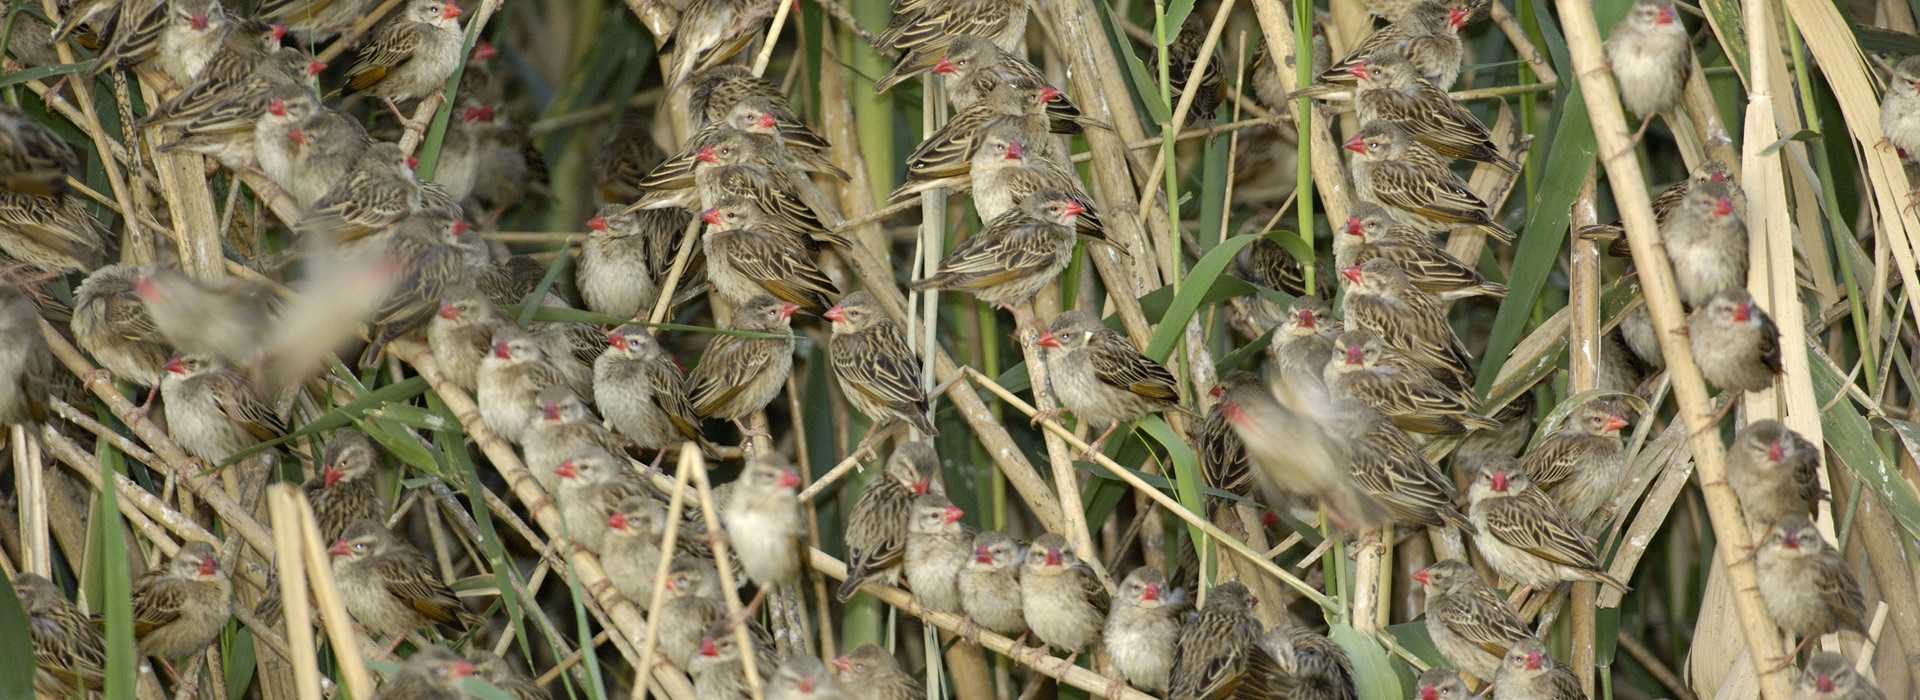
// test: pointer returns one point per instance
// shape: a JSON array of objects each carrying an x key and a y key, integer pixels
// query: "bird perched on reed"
[
  {"x": 214, "y": 411},
  {"x": 712, "y": 31},
  {"x": 630, "y": 546},
  {"x": 1651, "y": 56},
  {"x": 345, "y": 490},
  {"x": 1830, "y": 676},
  {"x": 304, "y": 148},
  {"x": 53, "y": 233},
  {"x": 410, "y": 55},
  {"x": 1440, "y": 684},
  {"x": 1470, "y": 624},
  {"x": 1415, "y": 183},
  {"x": 1527, "y": 673},
  {"x": 1428, "y": 35},
  {"x": 112, "y": 325},
  {"x": 1524, "y": 536},
  {"x": 1391, "y": 91},
  {"x": 642, "y": 392},
  {"x": 972, "y": 67},
  {"x": 219, "y": 115},
  {"x": 461, "y": 336},
  {"x": 1311, "y": 666},
  {"x": 1900, "y": 107},
  {"x": 990, "y": 586},
  {"x": 739, "y": 374},
  {"x": 692, "y": 604},
  {"x": 509, "y": 380},
  {"x": 1735, "y": 342},
  {"x": 1098, "y": 375},
  {"x": 747, "y": 258},
  {"x": 877, "y": 370},
  {"x": 717, "y": 669},
  {"x": 1582, "y": 462},
  {"x": 1389, "y": 466},
  {"x": 590, "y": 484},
  {"x": 1303, "y": 342},
  {"x": 768, "y": 529},
  {"x": 428, "y": 268},
  {"x": 938, "y": 547},
  {"x": 870, "y": 673},
  {"x": 1381, "y": 299},
  {"x": 1217, "y": 652},
  {"x": 1318, "y": 461},
  {"x": 1223, "y": 458},
  {"x": 717, "y": 91},
  {"x": 946, "y": 152},
  {"x": 391, "y": 588},
  {"x": 877, "y": 528},
  {"x": 1143, "y": 628},
  {"x": 1365, "y": 369},
  {"x": 749, "y": 135},
  {"x": 1268, "y": 264},
  {"x": 432, "y": 673},
  {"x": 1371, "y": 233},
  {"x": 1019, "y": 253},
  {"x": 33, "y": 159},
  {"x": 1065, "y": 605},
  {"x": 69, "y": 653},
  {"x": 1805, "y": 582},
  {"x": 625, "y": 256},
  {"x": 378, "y": 192},
  {"x": 1516, "y": 428},
  {"x": 1706, "y": 239},
  {"x": 1775, "y": 473},
  {"x": 181, "y": 608},
  {"x": 926, "y": 31}
]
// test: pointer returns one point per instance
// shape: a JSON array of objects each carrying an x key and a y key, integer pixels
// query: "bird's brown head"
[{"x": 1143, "y": 586}]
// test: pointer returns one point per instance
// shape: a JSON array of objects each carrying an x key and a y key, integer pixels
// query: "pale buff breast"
[
  {"x": 992, "y": 599},
  {"x": 1057, "y": 614},
  {"x": 1646, "y": 74},
  {"x": 612, "y": 278},
  {"x": 933, "y": 569},
  {"x": 1795, "y": 605},
  {"x": 1900, "y": 119},
  {"x": 1140, "y": 643},
  {"x": 626, "y": 400},
  {"x": 1091, "y": 400},
  {"x": 506, "y": 397},
  {"x": 1512, "y": 562},
  {"x": 763, "y": 541},
  {"x": 197, "y": 424},
  {"x": 368, "y": 601}
]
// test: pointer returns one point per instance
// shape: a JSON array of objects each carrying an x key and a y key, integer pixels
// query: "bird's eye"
[{"x": 360, "y": 547}]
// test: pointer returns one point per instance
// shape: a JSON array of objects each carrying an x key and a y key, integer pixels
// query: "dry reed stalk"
[
  {"x": 676, "y": 504},
  {"x": 1583, "y": 361},
  {"x": 1066, "y": 480},
  {"x": 1630, "y": 193},
  {"x": 289, "y": 537},
  {"x": 90, "y": 123},
  {"x": 723, "y": 564}
]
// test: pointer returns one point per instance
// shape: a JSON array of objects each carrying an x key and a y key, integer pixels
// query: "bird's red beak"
[
  {"x": 1500, "y": 482},
  {"x": 1355, "y": 354},
  {"x": 1792, "y": 541},
  {"x": 550, "y": 410},
  {"x": 1617, "y": 423},
  {"x": 1047, "y": 340},
  {"x": 565, "y": 470},
  {"x": 1269, "y": 518},
  {"x": 1825, "y": 682},
  {"x": 1053, "y": 556},
  {"x": 981, "y": 555},
  {"x": 708, "y": 649},
  {"x": 1723, "y": 206},
  {"x": 1777, "y": 451},
  {"x": 1356, "y": 144},
  {"x": 836, "y": 314},
  {"x": 711, "y": 217},
  {"x": 448, "y": 312},
  {"x": 339, "y": 548},
  {"x": 788, "y": 479},
  {"x": 1457, "y": 17},
  {"x": 944, "y": 67},
  {"x": 331, "y": 475},
  {"x": 1743, "y": 312},
  {"x": 617, "y": 521},
  {"x": 1306, "y": 319},
  {"x": 277, "y": 107},
  {"x": 844, "y": 663},
  {"x": 1533, "y": 661},
  {"x": 920, "y": 487},
  {"x": 463, "y": 668},
  {"x": 1428, "y": 692},
  {"x": 1234, "y": 413},
  {"x": 208, "y": 566},
  {"x": 1353, "y": 226},
  {"x": 706, "y": 155},
  {"x": 413, "y": 162},
  {"x": 767, "y": 121},
  {"x": 1664, "y": 16},
  {"x": 1049, "y": 94},
  {"x": 1073, "y": 209},
  {"x": 1359, "y": 70},
  {"x": 1421, "y": 577},
  {"x": 316, "y": 67},
  {"x": 458, "y": 227},
  {"x": 451, "y": 11},
  {"x": 297, "y": 135},
  {"x": 1352, "y": 273},
  {"x": 501, "y": 351},
  {"x": 1217, "y": 391},
  {"x": 175, "y": 366},
  {"x": 787, "y": 309},
  {"x": 949, "y": 516},
  {"x": 1016, "y": 151},
  {"x": 1152, "y": 592},
  {"x": 278, "y": 31},
  {"x": 617, "y": 341},
  {"x": 199, "y": 22},
  {"x": 806, "y": 684}
]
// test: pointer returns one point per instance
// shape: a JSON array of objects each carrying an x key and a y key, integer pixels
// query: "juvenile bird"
[
  {"x": 113, "y": 326},
  {"x": 1415, "y": 183},
  {"x": 990, "y": 585},
  {"x": 718, "y": 90},
  {"x": 1900, "y": 107},
  {"x": 877, "y": 370},
  {"x": 803, "y": 677},
  {"x": 1006, "y": 171},
  {"x": 214, "y": 411},
  {"x": 1143, "y": 628},
  {"x": 52, "y": 233},
  {"x": 410, "y": 55},
  {"x": 389, "y": 587},
  {"x": 592, "y": 483},
  {"x": 1223, "y": 458},
  {"x": 1651, "y": 57},
  {"x": 1099, "y": 376},
  {"x": 1391, "y": 91},
  {"x": 1527, "y": 673},
  {"x": 1217, "y": 653},
  {"x": 712, "y": 31},
  {"x": 938, "y": 547},
  {"x": 1470, "y": 624},
  {"x": 739, "y": 375},
  {"x": 178, "y": 610},
  {"x": 630, "y": 546},
  {"x": 1441, "y": 684},
  {"x": 870, "y": 673},
  {"x": 1582, "y": 462},
  {"x": 640, "y": 388},
  {"x": 432, "y": 673},
  {"x": 346, "y": 489},
  {"x": 877, "y": 528},
  {"x": 1268, "y": 264},
  {"x": 461, "y": 336},
  {"x": 509, "y": 380},
  {"x": 69, "y": 653},
  {"x": 33, "y": 159},
  {"x": 1805, "y": 582},
  {"x": 1735, "y": 342},
  {"x": 1381, "y": 299},
  {"x": 429, "y": 268},
  {"x": 1311, "y": 667},
  {"x": 622, "y": 254},
  {"x": 766, "y": 526},
  {"x": 1372, "y": 233},
  {"x": 1830, "y": 676},
  {"x": 1775, "y": 473},
  {"x": 1064, "y": 603},
  {"x": 1523, "y": 535},
  {"x": 692, "y": 604},
  {"x": 26, "y": 366},
  {"x": 1706, "y": 239},
  {"x": 1018, "y": 254},
  {"x": 718, "y": 673}
]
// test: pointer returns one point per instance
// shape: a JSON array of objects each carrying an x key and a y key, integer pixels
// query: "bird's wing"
[
  {"x": 408, "y": 576},
  {"x": 1541, "y": 533},
  {"x": 730, "y": 362},
  {"x": 1482, "y": 618},
  {"x": 882, "y": 368},
  {"x": 237, "y": 400},
  {"x": 670, "y": 396},
  {"x": 388, "y": 49},
  {"x": 155, "y": 604},
  {"x": 1116, "y": 363}
]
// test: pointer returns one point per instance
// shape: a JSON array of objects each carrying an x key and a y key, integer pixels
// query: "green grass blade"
[
  {"x": 1373, "y": 674},
  {"x": 16, "y": 676},
  {"x": 1199, "y": 281},
  {"x": 1191, "y": 489},
  {"x": 1851, "y": 437},
  {"x": 116, "y": 582},
  {"x": 596, "y": 686}
]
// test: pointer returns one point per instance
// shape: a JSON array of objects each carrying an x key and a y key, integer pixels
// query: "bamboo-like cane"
[{"x": 289, "y": 537}]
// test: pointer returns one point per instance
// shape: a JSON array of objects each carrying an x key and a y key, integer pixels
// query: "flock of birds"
[{"x": 1356, "y": 395}]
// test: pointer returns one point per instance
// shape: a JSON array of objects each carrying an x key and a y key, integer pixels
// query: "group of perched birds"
[{"x": 1359, "y": 396}]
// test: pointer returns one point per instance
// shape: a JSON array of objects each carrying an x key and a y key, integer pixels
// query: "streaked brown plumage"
[
  {"x": 304, "y": 147},
  {"x": 877, "y": 369},
  {"x": 712, "y": 31},
  {"x": 346, "y": 489},
  {"x": 503, "y": 675},
  {"x": 214, "y": 411},
  {"x": 1183, "y": 55},
  {"x": 926, "y": 31},
  {"x": 1143, "y": 628},
  {"x": 747, "y": 258},
  {"x": 1311, "y": 666},
  {"x": 877, "y": 528},
  {"x": 1006, "y": 171},
  {"x": 717, "y": 90},
  {"x": 1098, "y": 375},
  {"x": 990, "y": 584},
  {"x": 625, "y": 157},
  {"x": 1017, "y": 255},
  {"x": 33, "y": 159},
  {"x": 1268, "y": 264},
  {"x": 1217, "y": 653},
  {"x": 947, "y": 151},
  {"x": 1428, "y": 35},
  {"x": 1735, "y": 342},
  {"x": 739, "y": 375},
  {"x": 974, "y": 67},
  {"x": 762, "y": 516},
  {"x": 1775, "y": 473},
  {"x": 1830, "y": 676},
  {"x": 389, "y": 587},
  {"x": 432, "y": 673},
  {"x": 1522, "y": 534},
  {"x": 1391, "y": 91},
  {"x": 1372, "y": 233},
  {"x": 378, "y": 192},
  {"x": 642, "y": 392},
  {"x": 51, "y": 233},
  {"x": 1650, "y": 54},
  {"x": 1516, "y": 428},
  {"x": 1381, "y": 299},
  {"x": 1805, "y": 582},
  {"x": 111, "y": 324},
  {"x": 318, "y": 16},
  {"x": 1364, "y": 368},
  {"x": 870, "y": 673},
  {"x": 1223, "y": 459},
  {"x": 68, "y": 651},
  {"x": 410, "y": 54},
  {"x": 461, "y": 335},
  {"x": 1064, "y": 603},
  {"x": 1580, "y": 464},
  {"x": 1389, "y": 466},
  {"x": 1415, "y": 183},
  {"x": 179, "y": 609},
  {"x": 1470, "y": 624},
  {"x": 562, "y": 428},
  {"x": 429, "y": 267},
  {"x": 1527, "y": 673},
  {"x": 750, "y": 134}
]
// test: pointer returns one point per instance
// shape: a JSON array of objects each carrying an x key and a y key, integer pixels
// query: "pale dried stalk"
[
  {"x": 1630, "y": 193},
  {"x": 723, "y": 564},
  {"x": 340, "y": 628},
  {"x": 1276, "y": 24},
  {"x": 183, "y": 185},
  {"x": 676, "y": 503},
  {"x": 1066, "y": 480},
  {"x": 288, "y": 537},
  {"x": 30, "y": 480},
  {"x": 1583, "y": 356}
]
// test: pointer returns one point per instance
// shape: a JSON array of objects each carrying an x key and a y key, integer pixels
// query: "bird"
[
  {"x": 214, "y": 411},
  {"x": 510, "y": 378},
  {"x": 718, "y": 673},
  {"x": 345, "y": 490},
  {"x": 219, "y": 116},
  {"x": 190, "y": 36},
  {"x": 712, "y": 31},
  {"x": 1735, "y": 342},
  {"x": 1516, "y": 428},
  {"x": 739, "y": 375},
  {"x": 69, "y": 651},
  {"x": 516, "y": 169},
  {"x": 1365, "y": 369},
  {"x": 51, "y": 233},
  {"x": 745, "y": 258},
  {"x": 1428, "y": 35},
  {"x": 1414, "y": 183},
  {"x": 1900, "y": 107},
  {"x": 1217, "y": 651},
  {"x": 868, "y": 672},
  {"x": 876, "y": 367},
  {"x": 691, "y": 605},
  {"x": 927, "y": 32},
  {"x": 1268, "y": 264},
  {"x": 973, "y": 66},
  {"x": 1311, "y": 666},
  {"x": 1019, "y": 253},
  {"x": 1774, "y": 471},
  {"x": 938, "y": 547},
  {"x": 618, "y": 271},
  {"x": 1098, "y": 375},
  {"x": 877, "y": 527},
  {"x": 26, "y": 365},
  {"x": 946, "y": 152},
  {"x": 771, "y": 118},
  {"x": 1523, "y": 535},
  {"x": 1440, "y": 684},
  {"x": 33, "y": 159},
  {"x": 1805, "y": 582},
  {"x": 1372, "y": 233},
  {"x": 1471, "y": 625},
  {"x": 563, "y": 428},
  {"x": 1706, "y": 239},
  {"x": 1223, "y": 458},
  {"x": 501, "y": 673},
  {"x": 1581, "y": 464},
  {"x": 432, "y": 673},
  {"x": 461, "y": 335},
  {"x": 1317, "y": 462},
  {"x": 181, "y": 608},
  {"x": 1389, "y": 466},
  {"x": 378, "y": 192},
  {"x": 1830, "y": 676},
  {"x": 1303, "y": 342},
  {"x": 630, "y": 548},
  {"x": 641, "y": 390},
  {"x": 749, "y": 135},
  {"x": 1381, "y": 299},
  {"x": 990, "y": 586},
  {"x": 591, "y": 484},
  {"x": 429, "y": 267},
  {"x": 1183, "y": 55},
  {"x": 112, "y": 325},
  {"x": 1390, "y": 90},
  {"x": 718, "y": 90},
  {"x": 391, "y": 588},
  {"x": 802, "y": 676},
  {"x": 1142, "y": 629},
  {"x": 1527, "y": 673},
  {"x": 409, "y": 55},
  {"x": 763, "y": 515},
  {"x": 1064, "y": 603},
  {"x": 1005, "y": 172},
  {"x": 626, "y": 155},
  {"x": 303, "y": 147},
  {"x": 1651, "y": 56},
  {"x": 221, "y": 318}
]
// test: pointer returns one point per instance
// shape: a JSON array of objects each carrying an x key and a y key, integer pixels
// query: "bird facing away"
[
  {"x": 112, "y": 325},
  {"x": 68, "y": 652},
  {"x": 1217, "y": 653},
  {"x": 26, "y": 366}
]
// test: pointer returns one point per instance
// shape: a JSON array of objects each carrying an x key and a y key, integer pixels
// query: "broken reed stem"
[
  {"x": 1583, "y": 355},
  {"x": 340, "y": 628}
]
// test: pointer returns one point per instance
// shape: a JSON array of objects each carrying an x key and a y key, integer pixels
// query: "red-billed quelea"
[
  {"x": 1580, "y": 464},
  {"x": 378, "y": 192},
  {"x": 1064, "y": 603},
  {"x": 1142, "y": 629},
  {"x": 1217, "y": 653},
  {"x": 1372, "y": 233},
  {"x": 1365, "y": 369},
  {"x": 878, "y": 371},
  {"x": 642, "y": 392},
  {"x": 712, "y": 31},
  {"x": 562, "y": 427},
  {"x": 877, "y": 528},
  {"x": 1900, "y": 107},
  {"x": 1006, "y": 172},
  {"x": 1303, "y": 342},
  {"x": 1381, "y": 299},
  {"x": 691, "y": 605},
  {"x": 1524, "y": 536},
  {"x": 113, "y": 326},
  {"x": 947, "y": 151},
  {"x": 929, "y": 31},
  {"x": 53, "y": 233},
  {"x": 747, "y": 257},
  {"x": 739, "y": 375},
  {"x": 179, "y": 609},
  {"x": 1805, "y": 582},
  {"x": 1389, "y": 466},
  {"x": 718, "y": 90},
  {"x": 1735, "y": 342},
  {"x": 870, "y": 673},
  {"x": 763, "y": 516},
  {"x": 803, "y": 677},
  {"x": 622, "y": 252},
  {"x": 1706, "y": 239},
  {"x": 510, "y": 378},
  {"x": 213, "y": 411},
  {"x": 938, "y": 547},
  {"x": 433, "y": 673},
  {"x": 1527, "y": 673},
  {"x": 718, "y": 673},
  {"x": 630, "y": 547},
  {"x": 1830, "y": 676},
  {"x": 390, "y": 587},
  {"x": 33, "y": 159},
  {"x": 461, "y": 336},
  {"x": 1098, "y": 375},
  {"x": 1020, "y": 252},
  {"x": 1775, "y": 473},
  {"x": 410, "y": 54},
  {"x": 1440, "y": 684},
  {"x": 1391, "y": 91},
  {"x": 346, "y": 489},
  {"x": 1311, "y": 666},
  {"x": 592, "y": 484},
  {"x": 1415, "y": 183},
  {"x": 1469, "y": 623},
  {"x": 69, "y": 653},
  {"x": 990, "y": 585},
  {"x": 1428, "y": 35},
  {"x": 1223, "y": 459},
  {"x": 1317, "y": 460},
  {"x": 1651, "y": 57}
]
